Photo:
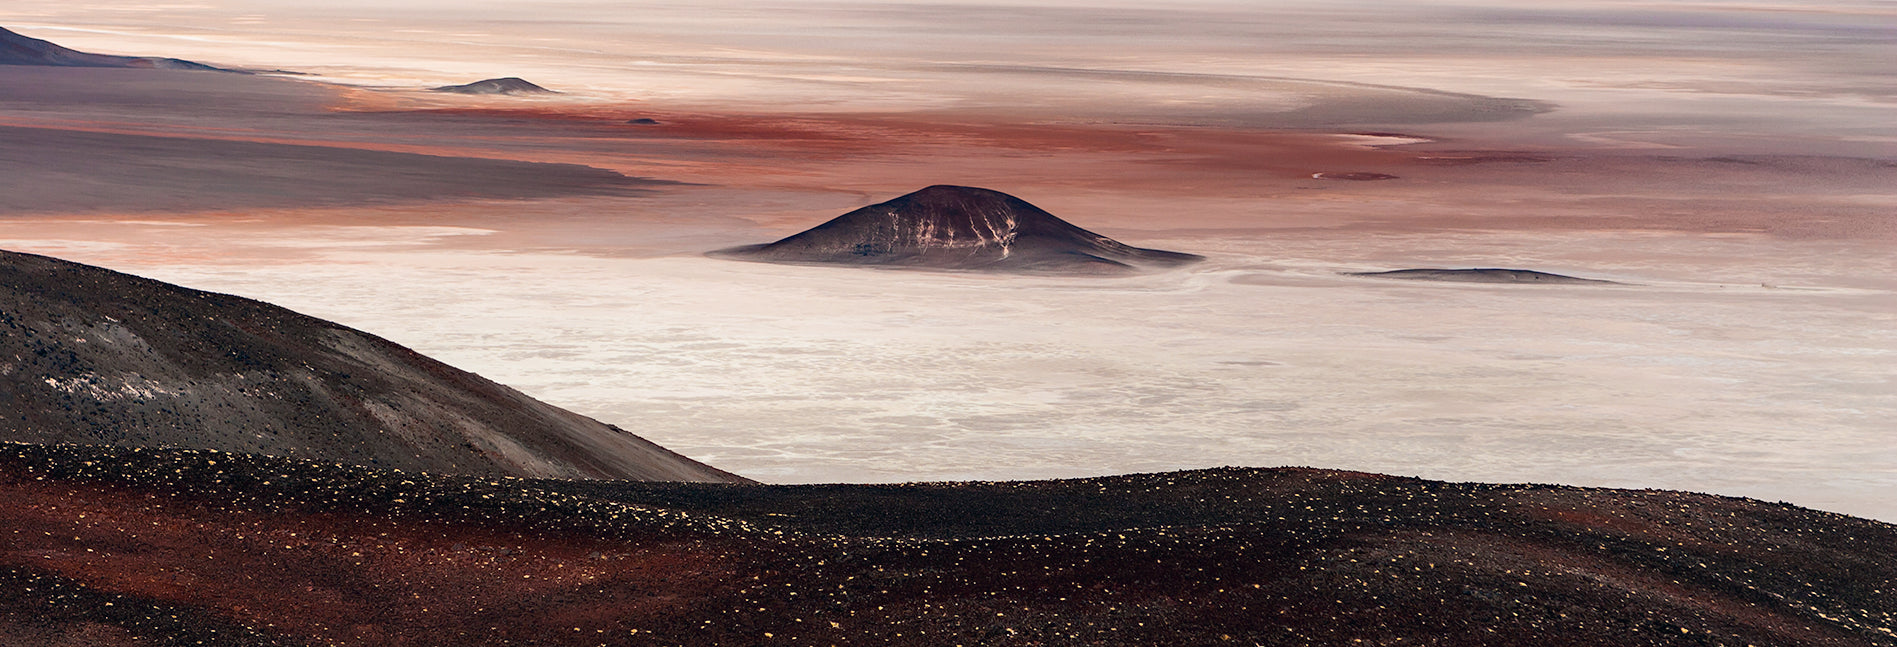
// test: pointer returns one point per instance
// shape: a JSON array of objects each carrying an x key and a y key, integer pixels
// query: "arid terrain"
[
  {"x": 554, "y": 247},
  {"x": 1031, "y": 458},
  {"x": 125, "y": 546}
]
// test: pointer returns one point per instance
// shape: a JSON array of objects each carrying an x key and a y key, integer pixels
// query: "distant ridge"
[
  {"x": 22, "y": 50},
  {"x": 507, "y": 85},
  {"x": 93, "y": 356},
  {"x": 1478, "y": 275},
  {"x": 959, "y": 228}
]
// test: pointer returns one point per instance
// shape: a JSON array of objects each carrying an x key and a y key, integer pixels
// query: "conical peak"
[
  {"x": 504, "y": 85},
  {"x": 948, "y": 227},
  {"x": 514, "y": 83},
  {"x": 948, "y": 197},
  {"x": 945, "y": 192},
  {"x": 962, "y": 211}
]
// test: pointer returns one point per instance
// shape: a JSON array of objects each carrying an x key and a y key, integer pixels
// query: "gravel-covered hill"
[
  {"x": 88, "y": 355},
  {"x": 140, "y": 546}
]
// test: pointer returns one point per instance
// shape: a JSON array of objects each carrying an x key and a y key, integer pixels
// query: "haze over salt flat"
[
  {"x": 1734, "y": 162},
  {"x": 1755, "y": 75}
]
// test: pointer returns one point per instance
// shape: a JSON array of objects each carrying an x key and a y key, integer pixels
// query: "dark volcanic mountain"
[
  {"x": 89, "y": 355},
  {"x": 21, "y": 50},
  {"x": 508, "y": 85},
  {"x": 1478, "y": 275},
  {"x": 177, "y": 547},
  {"x": 959, "y": 228}
]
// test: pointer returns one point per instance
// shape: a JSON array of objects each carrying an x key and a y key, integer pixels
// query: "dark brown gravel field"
[{"x": 121, "y": 546}]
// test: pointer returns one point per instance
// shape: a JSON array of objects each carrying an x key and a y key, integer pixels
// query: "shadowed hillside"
[
  {"x": 94, "y": 356},
  {"x": 22, "y": 50}
]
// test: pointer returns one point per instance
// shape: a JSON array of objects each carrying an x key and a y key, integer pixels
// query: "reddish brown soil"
[
  {"x": 1157, "y": 153},
  {"x": 123, "y": 546},
  {"x": 343, "y": 578}
]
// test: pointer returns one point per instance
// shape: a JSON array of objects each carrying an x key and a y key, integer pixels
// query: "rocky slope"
[
  {"x": 961, "y": 229},
  {"x": 89, "y": 355},
  {"x": 124, "y": 546},
  {"x": 16, "y": 49}
]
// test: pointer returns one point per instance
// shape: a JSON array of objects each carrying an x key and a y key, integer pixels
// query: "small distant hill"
[
  {"x": 22, "y": 50},
  {"x": 508, "y": 85},
  {"x": 1479, "y": 275},
  {"x": 959, "y": 228}
]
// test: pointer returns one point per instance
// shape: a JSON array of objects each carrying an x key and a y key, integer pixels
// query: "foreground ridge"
[{"x": 232, "y": 549}]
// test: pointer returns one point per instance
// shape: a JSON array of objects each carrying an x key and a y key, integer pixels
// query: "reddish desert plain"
[{"x": 1731, "y": 166}]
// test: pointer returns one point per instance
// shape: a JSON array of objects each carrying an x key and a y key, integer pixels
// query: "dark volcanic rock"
[
  {"x": 959, "y": 228},
  {"x": 1478, "y": 275},
  {"x": 508, "y": 85},
  {"x": 88, "y": 355},
  {"x": 178, "y": 547},
  {"x": 21, "y": 50},
  {"x": 1354, "y": 177}
]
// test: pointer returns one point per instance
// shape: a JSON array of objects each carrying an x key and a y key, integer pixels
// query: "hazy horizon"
[{"x": 1733, "y": 77}]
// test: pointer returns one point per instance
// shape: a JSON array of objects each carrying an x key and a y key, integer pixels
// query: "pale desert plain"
[{"x": 1731, "y": 166}]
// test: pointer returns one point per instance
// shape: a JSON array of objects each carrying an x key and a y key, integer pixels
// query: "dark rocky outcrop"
[
  {"x": 22, "y": 50},
  {"x": 959, "y": 228},
  {"x": 1352, "y": 176},
  {"x": 1479, "y": 275},
  {"x": 88, "y": 355},
  {"x": 508, "y": 85}
]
